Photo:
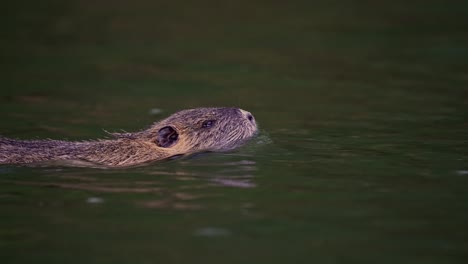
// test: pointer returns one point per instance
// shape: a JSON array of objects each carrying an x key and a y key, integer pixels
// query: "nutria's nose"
[{"x": 248, "y": 115}]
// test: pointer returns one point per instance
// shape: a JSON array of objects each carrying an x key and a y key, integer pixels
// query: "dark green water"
[{"x": 362, "y": 157}]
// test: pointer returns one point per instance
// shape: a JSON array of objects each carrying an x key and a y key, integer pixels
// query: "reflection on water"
[
  {"x": 93, "y": 186},
  {"x": 95, "y": 200},
  {"x": 190, "y": 177},
  {"x": 239, "y": 183},
  {"x": 212, "y": 232}
]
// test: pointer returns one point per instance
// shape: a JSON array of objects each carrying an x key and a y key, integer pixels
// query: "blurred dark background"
[{"x": 108, "y": 63}]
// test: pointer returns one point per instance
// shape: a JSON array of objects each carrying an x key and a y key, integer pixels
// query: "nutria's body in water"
[{"x": 185, "y": 132}]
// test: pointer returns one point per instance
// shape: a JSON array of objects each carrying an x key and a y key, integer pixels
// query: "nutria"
[{"x": 185, "y": 132}]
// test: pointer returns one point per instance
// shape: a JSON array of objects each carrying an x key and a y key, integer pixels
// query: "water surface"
[{"x": 362, "y": 155}]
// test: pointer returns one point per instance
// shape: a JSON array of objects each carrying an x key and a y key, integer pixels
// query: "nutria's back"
[{"x": 185, "y": 132}]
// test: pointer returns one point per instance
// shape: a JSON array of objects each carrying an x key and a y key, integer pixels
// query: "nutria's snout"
[
  {"x": 249, "y": 116},
  {"x": 251, "y": 124}
]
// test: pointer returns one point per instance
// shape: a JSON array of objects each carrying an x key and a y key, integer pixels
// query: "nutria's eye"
[{"x": 208, "y": 123}]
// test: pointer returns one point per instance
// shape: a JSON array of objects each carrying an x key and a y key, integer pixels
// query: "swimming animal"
[{"x": 183, "y": 133}]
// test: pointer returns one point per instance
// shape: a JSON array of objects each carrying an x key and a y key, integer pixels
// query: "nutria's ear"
[{"x": 167, "y": 136}]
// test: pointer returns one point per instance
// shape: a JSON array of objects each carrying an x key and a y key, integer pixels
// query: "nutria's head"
[{"x": 203, "y": 129}]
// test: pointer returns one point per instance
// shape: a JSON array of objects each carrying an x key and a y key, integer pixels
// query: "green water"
[{"x": 362, "y": 155}]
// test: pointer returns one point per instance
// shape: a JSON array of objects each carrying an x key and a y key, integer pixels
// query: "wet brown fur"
[{"x": 185, "y": 132}]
